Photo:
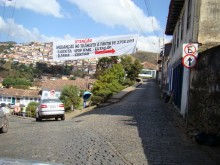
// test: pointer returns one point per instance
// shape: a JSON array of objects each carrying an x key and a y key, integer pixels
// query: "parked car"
[
  {"x": 11, "y": 105},
  {"x": 3, "y": 105},
  {"x": 3, "y": 122},
  {"x": 50, "y": 108}
]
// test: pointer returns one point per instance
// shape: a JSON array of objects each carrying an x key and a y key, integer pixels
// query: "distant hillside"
[
  {"x": 8, "y": 42},
  {"x": 146, "y": 56}
]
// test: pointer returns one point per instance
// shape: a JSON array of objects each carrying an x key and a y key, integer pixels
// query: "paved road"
[{"x": 137, "y": 130}]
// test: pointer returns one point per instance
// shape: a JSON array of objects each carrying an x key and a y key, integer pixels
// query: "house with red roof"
[{"x": 22, "y": 96}]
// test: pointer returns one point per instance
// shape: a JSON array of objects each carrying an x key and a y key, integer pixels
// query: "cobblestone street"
[{"x": 137, "y": 130}]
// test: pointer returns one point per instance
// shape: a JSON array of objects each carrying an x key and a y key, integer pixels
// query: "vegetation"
[
  {"x": 105, "y": 63},
  {"x": 6, "y": 48},
  {"x": 15, "y": 70},
  {"x": 143, "y": 56},
  {"x": 109, "y": 83},
  {"x": 30, "y": 110},
  {"x": 70, "y": 97},
  {"x": 16, "y": 82},
  {"x": 132, "y": 67},
  {"x": 54, "y": 70},
  {"x": 114, "y": 77}
]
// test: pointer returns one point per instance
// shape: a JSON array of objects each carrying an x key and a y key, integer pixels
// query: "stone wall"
[
  {"x": 204, "y": 99},
  {"x": 209, "y": 21}
]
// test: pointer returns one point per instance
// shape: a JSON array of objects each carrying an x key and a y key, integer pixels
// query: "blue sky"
[{"x": 51, "y": 20}]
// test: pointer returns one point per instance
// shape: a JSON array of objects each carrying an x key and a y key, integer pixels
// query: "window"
[
  {"x": 182, "y": 26},
  {"x": 9, "y": 99},
  {"x": 189, "y": 14},
  {"x": 178, "y": 36},
  {"x": 4, "y": 99}
]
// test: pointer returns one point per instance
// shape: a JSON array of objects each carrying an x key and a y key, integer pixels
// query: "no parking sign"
[{"x": 190, "y": 48}]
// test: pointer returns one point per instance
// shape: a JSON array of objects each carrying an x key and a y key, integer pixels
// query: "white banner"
[{"x": 94, "y": 47}]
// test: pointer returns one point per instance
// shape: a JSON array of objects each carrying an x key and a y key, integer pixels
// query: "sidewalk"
[
  {"x": 180, "y": 123},
  {"x": 115, "y": 98}
]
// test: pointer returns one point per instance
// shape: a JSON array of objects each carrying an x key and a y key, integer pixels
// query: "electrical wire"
[
  {"x": 149, "y": 11},
  {"x": 3, "y": 18},
  {"x": 12, "y": 17},
  {"x": 134, "y": 17}
]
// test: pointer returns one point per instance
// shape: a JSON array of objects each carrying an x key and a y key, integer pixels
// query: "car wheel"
[
  {"x": 4, "y": 129},
  {"x": 63, "y": 117},
  {"x": 38, "y": 118},
  {"x": 56, "y": 118}
]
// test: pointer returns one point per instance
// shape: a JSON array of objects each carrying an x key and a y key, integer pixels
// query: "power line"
[
  {"x": 134, "y": 17},
  {"x": 12, "y": 16},
  {"x": 3, "y": 18},
  {"x": 149, "y": 11}
]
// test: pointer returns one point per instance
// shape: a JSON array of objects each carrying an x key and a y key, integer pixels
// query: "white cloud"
[
  {"x": 45, "y": 7},
  {"x": 118, "y": 13},
  {"x": 149, "y": 44},
  {"x": 17, "y": 32}
]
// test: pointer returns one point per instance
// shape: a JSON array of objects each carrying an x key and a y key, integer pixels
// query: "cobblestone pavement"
[{"x": 136, "y": 130}]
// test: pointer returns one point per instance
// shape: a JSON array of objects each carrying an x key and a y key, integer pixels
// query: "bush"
[
  {"x": 96, "y": 100},
  {"x": 30, "y": 110},
  {"x": 128, "y": 82},
  {"x": 21, "y": 87}
]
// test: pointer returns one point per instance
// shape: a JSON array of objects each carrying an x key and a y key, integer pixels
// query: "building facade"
[{"x": 189, "y": 21}]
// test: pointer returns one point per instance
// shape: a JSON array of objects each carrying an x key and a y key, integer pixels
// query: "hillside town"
[
  {"x": 31, "y": 53},
  {"x": 34, "y": 52}
]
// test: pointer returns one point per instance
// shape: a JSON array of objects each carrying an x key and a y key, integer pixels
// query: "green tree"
[
  {"x": 16, "y": 82},
  {"x": 105, "y": 63},
  {"x": 132, "y": 68},
  {"x": 126, "y": 62},
  {"x": 70, "y": 97},
  {"x": 135, "y": 70},
  {"x": 109, "y": 83}
]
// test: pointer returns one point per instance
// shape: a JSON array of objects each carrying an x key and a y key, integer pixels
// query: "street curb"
[
  {"x": 117, "y": 97},
  {"x": 111, "y": 101},
  {"x": 114, "y": 99}
]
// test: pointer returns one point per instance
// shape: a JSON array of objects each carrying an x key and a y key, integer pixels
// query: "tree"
[
  {"x": 105, "y": 63},
  {"x": 70, "y": 97},
  {"x": 16, "y": 82},
  {"x": 126, "y": 62},
  {"x": 132, "y": 68},
  {"x": 135, "y": 70},
  {"x": 109, "y": 83}
]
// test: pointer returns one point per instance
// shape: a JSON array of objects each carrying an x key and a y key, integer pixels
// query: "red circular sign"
[
  {"x": 189, "y": 61},
  {"x": 52, "y": 92},
  {"x": 187, "y": 48}
]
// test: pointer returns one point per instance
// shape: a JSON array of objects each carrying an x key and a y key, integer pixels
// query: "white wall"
[{"x": 189, "y": 35}]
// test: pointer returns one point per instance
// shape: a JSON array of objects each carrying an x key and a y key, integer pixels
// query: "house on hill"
[
  {"x": 148, "y": 71},
  {"x": 21, "y": 96}
]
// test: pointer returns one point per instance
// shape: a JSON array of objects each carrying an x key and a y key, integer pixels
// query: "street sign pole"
[{"x": 189, "y": 60}]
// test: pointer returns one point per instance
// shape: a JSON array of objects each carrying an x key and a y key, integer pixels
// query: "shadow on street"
[{"x": 162, "y": 140}]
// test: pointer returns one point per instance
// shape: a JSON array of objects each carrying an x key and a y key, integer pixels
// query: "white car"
[
  {"x": 3, "y": 122},
  {"x": 50, "y": 108}
]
